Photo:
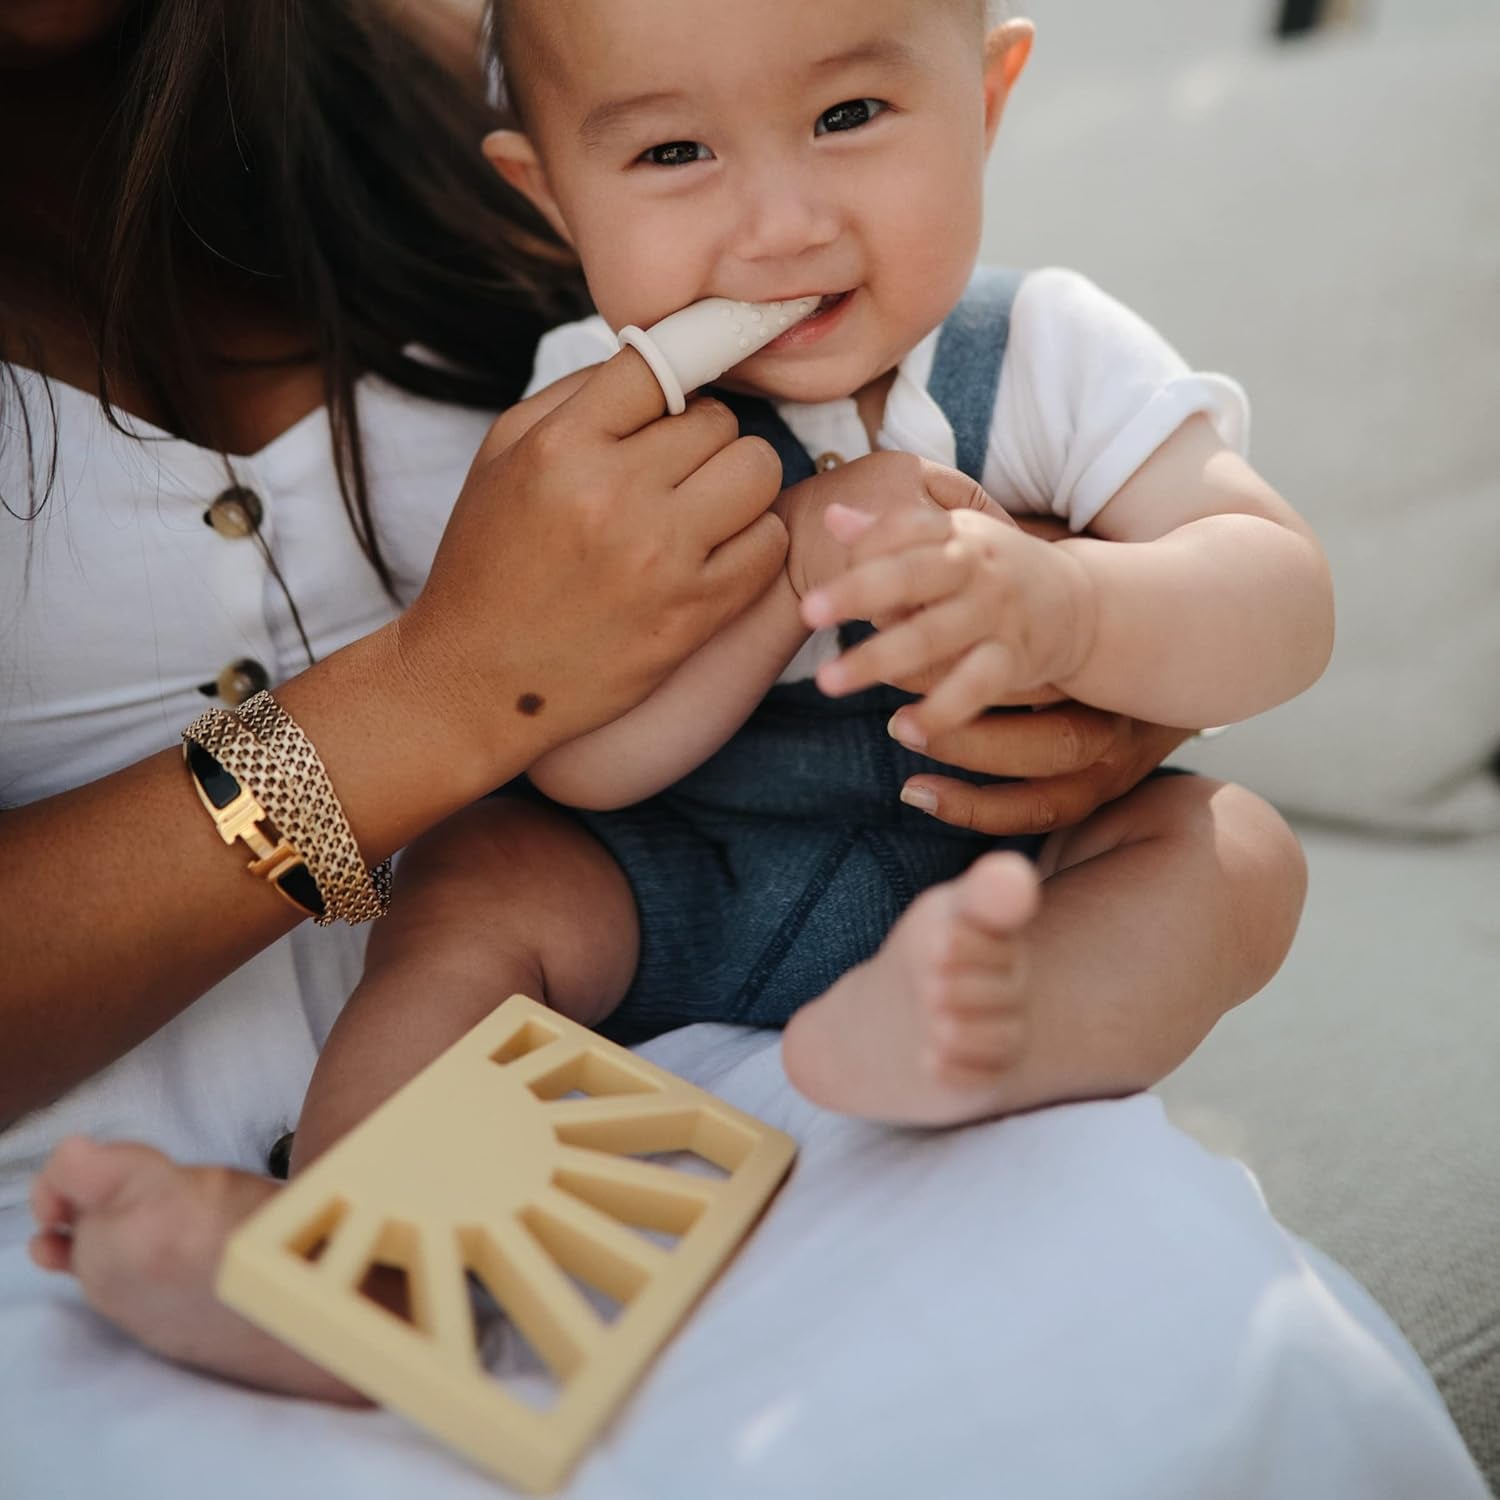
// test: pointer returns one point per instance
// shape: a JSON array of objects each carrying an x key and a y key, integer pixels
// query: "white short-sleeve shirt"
[{"x": 1088, "y": 392}]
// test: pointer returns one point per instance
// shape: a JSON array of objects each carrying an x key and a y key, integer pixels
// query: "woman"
[{"x": 238, "y": 230}]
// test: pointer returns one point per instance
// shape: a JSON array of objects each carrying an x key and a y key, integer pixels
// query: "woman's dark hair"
[{"x": 324, "y": 148}]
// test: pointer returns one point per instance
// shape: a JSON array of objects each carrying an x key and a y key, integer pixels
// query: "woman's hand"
[
  {"x": 593, "y": 548},
  {"x": 1069, "y": 760}
]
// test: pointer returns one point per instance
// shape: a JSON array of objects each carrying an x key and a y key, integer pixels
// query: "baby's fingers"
[
  {"x": 912, "y": 526},
  {"x": 885, "y": 586},
  {"x": 965, "y": 693},
  {"x": 51, "y": 1246},
  {"x": 924, "y": 640}
]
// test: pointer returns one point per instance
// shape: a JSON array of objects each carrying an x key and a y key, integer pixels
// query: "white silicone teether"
[{"x": 695, "y": 346}]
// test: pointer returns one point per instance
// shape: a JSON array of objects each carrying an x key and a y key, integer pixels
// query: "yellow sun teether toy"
[{"x": 514, "y": 1160}]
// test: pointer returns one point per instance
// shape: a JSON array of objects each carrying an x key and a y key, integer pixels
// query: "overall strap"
[
  {"x": 759, "y": 418},
  {"x": 965, "y": 378}
]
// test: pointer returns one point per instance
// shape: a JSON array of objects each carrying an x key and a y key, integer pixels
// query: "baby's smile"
[{"x": 811, "y": 329}]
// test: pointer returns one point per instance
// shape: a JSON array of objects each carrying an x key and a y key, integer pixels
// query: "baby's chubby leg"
[
  {"x": 1155, "y": 916},
  {"x": 505, "y": 897}
]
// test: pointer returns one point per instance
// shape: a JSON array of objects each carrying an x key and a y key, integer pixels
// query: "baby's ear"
[
  {"x": 1006, "y": 49},
  {"x": 513, "y": 156}
]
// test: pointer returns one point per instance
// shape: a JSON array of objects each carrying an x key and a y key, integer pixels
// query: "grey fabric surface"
[{"x": 1363, "y": 1088}]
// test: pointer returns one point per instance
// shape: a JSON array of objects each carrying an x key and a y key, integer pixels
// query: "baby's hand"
[
  {"x": 961, "y": 596},
  {"x": 881, "y": 485}
]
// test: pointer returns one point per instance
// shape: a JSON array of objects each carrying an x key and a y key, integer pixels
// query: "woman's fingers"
[
  {"x": 620, "y": 397},
  {"x": 741, "y": 569},
  {"x": 1003, "y": 809},
  {"x": 733, "y": 489},
  {"x": 676, "y": 448},
  {"x": 1054, "y": 741},
  {"x": 511, "y": 426},
  {"x": 952, "y": 490},
  {"x": 612, "y": 400},
  {"x": 1127, "y": 751}
]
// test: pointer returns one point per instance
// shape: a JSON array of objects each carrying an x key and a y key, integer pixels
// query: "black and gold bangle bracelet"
[{"x": 237, "y": 815}]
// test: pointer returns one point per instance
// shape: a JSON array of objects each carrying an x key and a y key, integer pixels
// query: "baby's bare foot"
[
  {"x": 930, "y": 1030},
  {"x": 143, "y": 1236}
]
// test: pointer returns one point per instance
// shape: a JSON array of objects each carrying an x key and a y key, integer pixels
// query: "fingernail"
[
  {"x": 902, "y": 728},
  {"x": 817, "y": 610},
  {"x": 846, "y": 523},
  {"x": 830, "y": 678},
  {"x": 924, "y": 799}
]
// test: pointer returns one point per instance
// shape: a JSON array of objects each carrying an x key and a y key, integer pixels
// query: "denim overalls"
[{"x": 784, "y": 860}]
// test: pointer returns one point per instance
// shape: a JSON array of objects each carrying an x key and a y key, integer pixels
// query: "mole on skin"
[{"x": 530, "y": 704}]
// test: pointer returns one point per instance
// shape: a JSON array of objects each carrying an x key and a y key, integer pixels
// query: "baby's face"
[{"x": 764, "y": 150}]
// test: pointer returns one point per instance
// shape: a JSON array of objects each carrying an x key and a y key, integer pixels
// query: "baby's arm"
[
  {"x": 1222, "y": 609},
  {"x": 686, "y": 719},
  {"x": 1202, "y": 598}
]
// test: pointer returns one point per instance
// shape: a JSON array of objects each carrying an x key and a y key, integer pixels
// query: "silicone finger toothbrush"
[{"x": 695, "y": 346}]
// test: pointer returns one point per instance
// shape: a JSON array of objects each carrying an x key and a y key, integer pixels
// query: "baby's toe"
[
  {"x": 49, "y": 1209},
  {"x": 977, "y": 1048},
  {"x": 994, "y": 984},
  {"x": 999, "y": 894}
]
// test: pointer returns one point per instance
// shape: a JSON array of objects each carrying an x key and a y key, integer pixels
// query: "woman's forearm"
[
  {"x": 120, "y": 905},
  {"x": 1220, "y": 619},
  {"x": 685, "y": 720}
]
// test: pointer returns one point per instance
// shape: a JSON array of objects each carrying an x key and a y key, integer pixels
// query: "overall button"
[
  {"x": 240, "y": 681},
  {"x": 830, "y": 460},
  {"x": 235, "y": 514}
]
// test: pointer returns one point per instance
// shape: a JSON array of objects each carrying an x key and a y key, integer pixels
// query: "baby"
[
  {"x": 749, "y": 844},
  {"x": 737, "y": 847},
  {"x": 740, "y": 855}
]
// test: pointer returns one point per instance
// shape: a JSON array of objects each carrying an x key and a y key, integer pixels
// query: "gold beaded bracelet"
[
  {"x": 262, "y": 747},
  {"x": 354, "y": 892}
]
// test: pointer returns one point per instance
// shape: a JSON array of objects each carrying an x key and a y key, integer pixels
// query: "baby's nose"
[{"x": 784, "y": 215}]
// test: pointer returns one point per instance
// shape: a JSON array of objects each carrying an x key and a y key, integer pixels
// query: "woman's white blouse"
[{"x": 120, "y": 603}]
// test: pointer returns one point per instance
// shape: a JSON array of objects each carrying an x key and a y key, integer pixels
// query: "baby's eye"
[
  {"x": 676, "y": 154},
  {"x": 849, "y": 115}
]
